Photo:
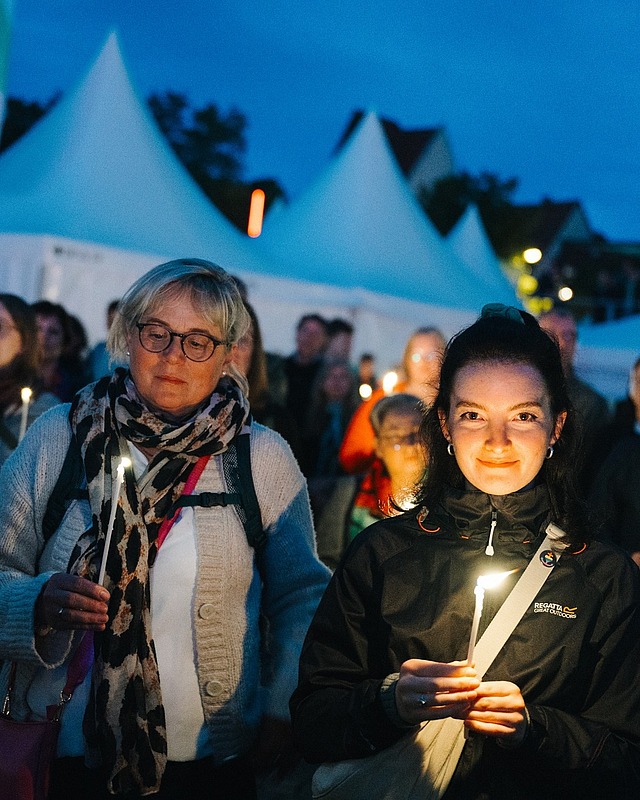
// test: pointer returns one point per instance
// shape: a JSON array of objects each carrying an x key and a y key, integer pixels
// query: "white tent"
[
  {"x": 359, "y": 225},
  {"x": 469, "y": 241},
  {"x": 606, "y": 353}
]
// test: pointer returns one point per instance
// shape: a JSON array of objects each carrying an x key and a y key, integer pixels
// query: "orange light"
[{"x": 256, "y": 213}]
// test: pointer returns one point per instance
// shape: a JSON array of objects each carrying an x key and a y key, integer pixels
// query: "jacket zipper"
[{"x": 489, "y": 551}]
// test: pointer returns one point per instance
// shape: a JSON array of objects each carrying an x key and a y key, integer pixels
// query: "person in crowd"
[
  {"x": 615, "y": 495},
  {"x": 98, "y": 362},
  {"x": 19, "y": 356},
  {"x": 359, "y": 501},
  {"x": 61, "y": 371},
  {"x": 339, "y": 339},
  {"x": 556, "y": 715},
  {"x": 591, "y": 408},
  {"x": 183, "y": 683},
  {"x": 421, "y": 366},
  {"x": 302, "y": 367},
  {"x": 367, "y": 371},
  {"x": 333, "y": 400},
  {"x": 250, "y": 359}
]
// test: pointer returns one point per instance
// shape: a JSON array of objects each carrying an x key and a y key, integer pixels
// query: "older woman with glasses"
[{"x": 185, "y": 681}]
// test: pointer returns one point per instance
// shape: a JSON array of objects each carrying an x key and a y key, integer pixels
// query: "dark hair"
[
  {"x": 23, "y": 369},
  {"x": 48, "y": 309},
  {"x": 339, "y": 325},
  {"x": 312, "y": 318},
  {"x": 400, "y": 403},
  {"x": 513, "y": 339}
]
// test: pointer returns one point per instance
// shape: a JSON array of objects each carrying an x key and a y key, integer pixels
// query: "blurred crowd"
[{"x": 359, "y": 453}]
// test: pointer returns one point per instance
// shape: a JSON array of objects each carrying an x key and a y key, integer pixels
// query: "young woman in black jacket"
[{"x": 558, "y": 713}]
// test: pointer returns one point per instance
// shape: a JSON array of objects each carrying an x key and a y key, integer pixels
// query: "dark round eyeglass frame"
[{"x": 182, "y": 336}]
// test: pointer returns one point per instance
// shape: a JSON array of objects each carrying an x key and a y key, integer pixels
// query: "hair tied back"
[{"x": 500, "y": 310}]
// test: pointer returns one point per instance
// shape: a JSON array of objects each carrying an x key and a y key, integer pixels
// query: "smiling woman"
[{"x": 555, "y": 715}]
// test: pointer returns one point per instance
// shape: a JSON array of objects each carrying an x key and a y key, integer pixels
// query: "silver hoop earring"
[
  {"x": 549, "y": 451},
  {"x": 450, "y": 448}
]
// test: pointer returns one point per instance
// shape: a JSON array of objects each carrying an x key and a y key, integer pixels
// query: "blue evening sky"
[{"x": 544, "y": 90}]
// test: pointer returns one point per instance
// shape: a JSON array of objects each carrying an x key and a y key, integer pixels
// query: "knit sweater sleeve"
[
  {"x": 294, "y": 577},
  {"x": 26, "y": 481}
]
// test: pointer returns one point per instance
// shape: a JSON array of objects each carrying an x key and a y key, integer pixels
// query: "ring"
[
  {"x": 60, "y": 610},
  {"x": 422, "y": 699}
]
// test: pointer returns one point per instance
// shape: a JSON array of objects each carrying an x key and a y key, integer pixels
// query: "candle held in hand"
[
  {"x": 115, "y": 496},
  {"x": 25, "y": 396},
  {"x": 483, "y": 583}
]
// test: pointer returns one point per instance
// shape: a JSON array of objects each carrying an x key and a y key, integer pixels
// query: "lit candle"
[
  {"x": 115, "y": 496},
  {"x": 483, "y": 583},
  {"x": 389, "y": 380},
  {"x": 25, "y": 394},
  {"x": 365, "y": 391}
]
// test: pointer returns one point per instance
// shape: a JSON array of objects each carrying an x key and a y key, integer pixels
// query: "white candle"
[
  {"x": 484, "y": 582},
  {"x": 115, "y": 496},
  {"x": 25, "y": 395}
]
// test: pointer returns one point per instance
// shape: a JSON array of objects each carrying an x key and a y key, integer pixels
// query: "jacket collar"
[{"x": 520, "y": 517}]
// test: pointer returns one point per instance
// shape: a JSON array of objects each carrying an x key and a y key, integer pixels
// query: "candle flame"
[
  {"x": 494, "y": 579},
  {"x": 25, "y": 394},
  {"x": 389, "y": 381},
  {"x": 125, "y": 462}
]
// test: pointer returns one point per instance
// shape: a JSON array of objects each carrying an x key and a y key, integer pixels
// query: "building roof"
[{"x": 532, "y": 226}]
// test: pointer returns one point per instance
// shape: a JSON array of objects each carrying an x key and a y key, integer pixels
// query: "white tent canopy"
[
  {"x": 359, "y": 225},
  {"x": 469, "y": 241},
  {"x": 97, "y": 169},
  {"x": 606, "y": 353}
]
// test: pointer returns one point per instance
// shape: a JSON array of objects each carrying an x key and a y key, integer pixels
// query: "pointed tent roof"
[
  {"x": 359, "y": 225},
  {"x": 469, "y": 240},
  {"x": 97, "y": 168}
]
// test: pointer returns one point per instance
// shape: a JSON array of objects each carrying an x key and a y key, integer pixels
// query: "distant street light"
[
  {"x": 565, "y": 293},
  {"x": 532, "y": 255}
]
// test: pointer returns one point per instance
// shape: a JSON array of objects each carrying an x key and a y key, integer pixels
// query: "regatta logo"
[{"x": 556, "y": 609}]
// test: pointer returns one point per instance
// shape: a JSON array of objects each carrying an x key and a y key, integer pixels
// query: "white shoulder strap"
[{"x": 520, "y": 598}]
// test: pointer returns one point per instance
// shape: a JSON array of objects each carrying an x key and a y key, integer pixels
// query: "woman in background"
[
  {"x": 389, "y": 485},
  {"x": 421, "y": 367},
  {"x": 19, "y": 359}
]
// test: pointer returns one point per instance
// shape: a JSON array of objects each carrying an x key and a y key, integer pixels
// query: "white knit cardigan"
[{"x": 239, "y": 678}]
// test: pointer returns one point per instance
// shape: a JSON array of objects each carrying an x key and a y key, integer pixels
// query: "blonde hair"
[{"x": 212, "y": 291}]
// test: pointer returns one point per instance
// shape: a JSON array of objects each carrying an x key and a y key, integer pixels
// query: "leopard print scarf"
[{"x": 124, "y": 724}]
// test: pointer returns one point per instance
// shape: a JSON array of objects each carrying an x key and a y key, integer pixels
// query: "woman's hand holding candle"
[
  {"x": 433, "y": 690},
  {"x": 70, "y": 602},
  {"x": 499, "y": 711}
]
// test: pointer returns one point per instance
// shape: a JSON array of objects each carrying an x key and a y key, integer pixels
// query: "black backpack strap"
[
  {"x": 236, "y": 466},
  {"x": 69, "y": 486},
  {"x": 237, "y": 470}
]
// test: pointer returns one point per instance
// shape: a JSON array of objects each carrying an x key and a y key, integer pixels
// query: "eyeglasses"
[
  {"x": 196, "y": 346},
  {"x": 416, "y": 357},
  {"x": 5, "y": 328},
  {"x": 397, "y": 442}
]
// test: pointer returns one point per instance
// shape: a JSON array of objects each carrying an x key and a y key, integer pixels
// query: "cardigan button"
[
  {"x": 213, "y": 688},
  {"x": 206, "y": 611}
]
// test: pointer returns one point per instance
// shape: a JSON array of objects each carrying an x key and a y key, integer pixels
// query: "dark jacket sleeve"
[
  {"x": 602, "y": 742},
  {"x": 336, "y": 710}
]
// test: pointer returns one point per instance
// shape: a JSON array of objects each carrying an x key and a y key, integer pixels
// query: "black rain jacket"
[{"x": 405, "y": 590}]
